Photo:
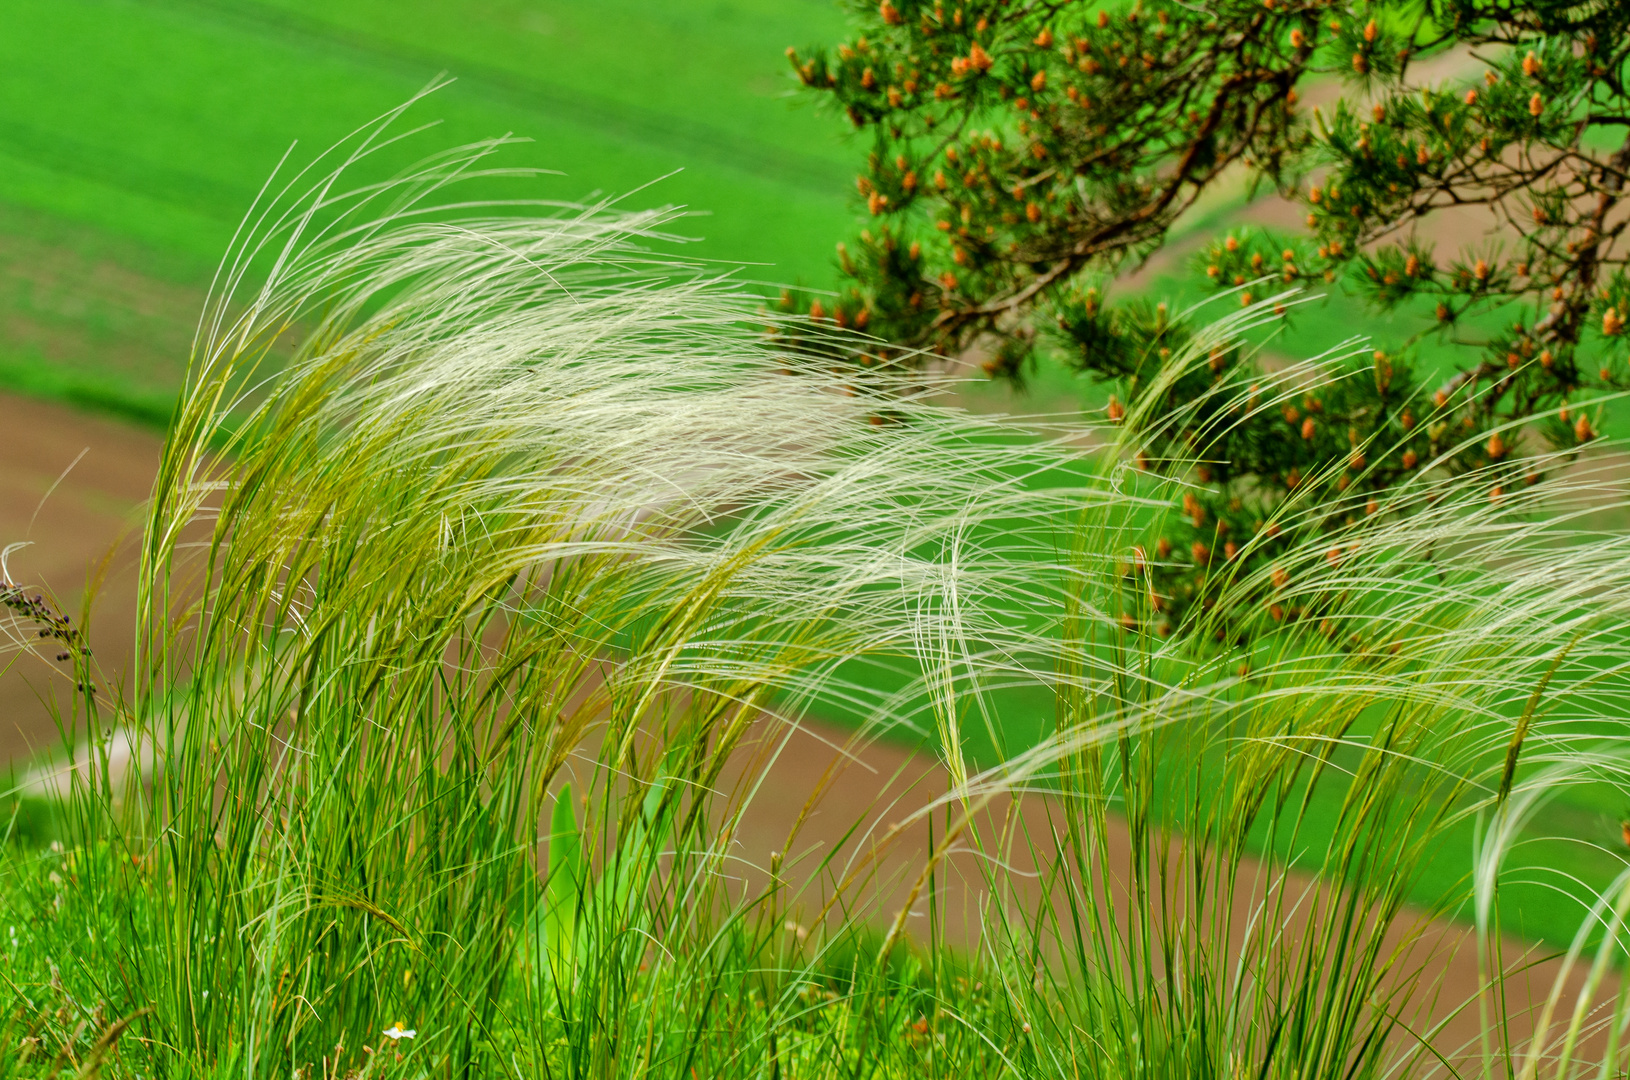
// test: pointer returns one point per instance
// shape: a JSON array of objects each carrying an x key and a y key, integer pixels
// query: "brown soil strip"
[
  {"x": 884, "y": 785},
  {"x": 71, "y": 488}
]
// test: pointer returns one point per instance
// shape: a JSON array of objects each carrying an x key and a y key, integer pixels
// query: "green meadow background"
[{"x": 135, "y": 133}]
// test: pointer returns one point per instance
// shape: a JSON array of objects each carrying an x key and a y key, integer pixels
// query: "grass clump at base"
[{"x": 454, "y": 700}]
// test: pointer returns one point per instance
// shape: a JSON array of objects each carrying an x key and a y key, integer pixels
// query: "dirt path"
[
  {"x": 72, "y": 486},
  {"x": 71, "y": 489}
]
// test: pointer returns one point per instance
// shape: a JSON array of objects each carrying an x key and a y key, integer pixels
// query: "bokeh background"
[{"x": 135, "y": 133}]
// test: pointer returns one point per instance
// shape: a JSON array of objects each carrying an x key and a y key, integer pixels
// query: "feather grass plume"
[{"x": 457, "y": 627}]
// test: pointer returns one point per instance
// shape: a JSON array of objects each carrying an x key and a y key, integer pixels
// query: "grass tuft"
[{"x": 470, "y": 634}]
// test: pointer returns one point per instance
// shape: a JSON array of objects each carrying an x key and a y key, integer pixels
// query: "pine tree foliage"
[{"x": 1021, "y": 150}]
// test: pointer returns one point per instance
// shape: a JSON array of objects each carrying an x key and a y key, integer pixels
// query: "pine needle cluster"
[{"x": 1019, "y": 152}]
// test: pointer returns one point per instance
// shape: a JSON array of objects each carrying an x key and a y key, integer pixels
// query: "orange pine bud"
[
  {"x": 1369, "y": 30},
  {"x": 890, "y": 13},
  {"x": 1409, "y": 459},
  {"x": 1582, "y": 431},
  {"x": 1360, "y": 65},
  {"x": 1496, "y": 446},
  {"x": 1471, "y": 97},
  {"x": 1115, "y": 411},
  {"x": 1536, "y": 105},
  {"x": 1044, "y": 39},
  {"x": 1230, "y": 549},
  {"x": 1038, "y": 81},
  {"x": 1296, "y": 39},
  {"x": 1308, "y": 428},
  {"x": 1530, "y": 65},
  {"x": 1201, "y": 553},
  {"x": 1612, "y": 322}
]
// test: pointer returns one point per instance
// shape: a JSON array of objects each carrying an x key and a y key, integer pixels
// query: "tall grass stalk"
[{"x": 461, "y": 634}]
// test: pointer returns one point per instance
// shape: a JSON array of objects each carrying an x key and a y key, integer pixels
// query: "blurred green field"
[{"x": 135, "y": 133}]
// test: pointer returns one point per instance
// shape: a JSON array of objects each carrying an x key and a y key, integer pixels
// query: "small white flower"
[{"x": 396, "y": 1031}]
